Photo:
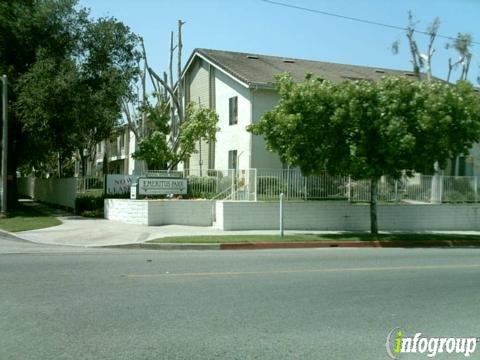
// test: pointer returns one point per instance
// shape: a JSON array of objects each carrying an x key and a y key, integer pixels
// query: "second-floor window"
[{"x": 233, "y": 110}]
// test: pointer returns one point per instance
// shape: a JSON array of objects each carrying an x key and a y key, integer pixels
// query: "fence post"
[
  {"x": 281, "y": 215},
  {"x": 288, "y": 180},
  {"x": 475, "y": 187},
  {"x": 349, "y": 188},
  {"x": 305, "y": 179},
  {"x": 232, "y": 187},
  {"x": 396, "y": 190},
  {"x": 256, "y": 184}
]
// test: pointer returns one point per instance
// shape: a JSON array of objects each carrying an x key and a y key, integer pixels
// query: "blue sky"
[{"x": 258, "y": 27}]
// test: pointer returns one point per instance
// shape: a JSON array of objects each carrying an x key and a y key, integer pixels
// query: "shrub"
[
  {"x": 88, "y": 203},
  {"x": 202, "y": 187},
  {"x": 98, "y": 213},
  {"x": 326, "y": 188},
  {"x": 418, "y": 192},
  {"x": 458, "y": 190},
  {"x": 268, "y": 185}
]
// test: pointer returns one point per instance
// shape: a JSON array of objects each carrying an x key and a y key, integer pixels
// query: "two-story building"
[
  {"x": 241, "y": 88},
  {"x": 112, "y": 156}
]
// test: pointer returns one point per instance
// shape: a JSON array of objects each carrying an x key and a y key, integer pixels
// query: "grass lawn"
[
  {"x": 413, "y": 239},
  {"x": 27, "y": 217}
]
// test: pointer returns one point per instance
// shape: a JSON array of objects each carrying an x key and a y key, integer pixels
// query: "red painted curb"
[
  {"x": 322, "y": 244},
  {"x": 295, "y": 245}
]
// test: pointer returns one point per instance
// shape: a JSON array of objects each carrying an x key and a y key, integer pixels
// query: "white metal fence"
[
  {"x": 268, "y": 184},
  {"x": 90, "y": 185},
  {"x": 272, "y": 182},
  {"x": 419, "y": 188},
  {"x": 223, "y": 184}
]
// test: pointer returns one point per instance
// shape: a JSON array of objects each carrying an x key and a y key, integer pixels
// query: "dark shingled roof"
[{"x": 259, "y": 70}]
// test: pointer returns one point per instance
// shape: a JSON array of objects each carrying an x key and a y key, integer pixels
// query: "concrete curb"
[
  {"x": 166, "y": 246},
  {"x": 331, "y": 244},
  {"x": 292, "y": 245},
  {"x": 296, "y": 245},
  {"x": 12, "y": 236}
]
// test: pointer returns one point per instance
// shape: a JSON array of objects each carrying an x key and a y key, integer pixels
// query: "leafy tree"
[
  {"x": 76, "y": 100},
  {"x": 171, "y": 126},
  {"x": 200, "y": 124},
  {"x": 26, "y": 27},
  {"x": 68, "y": 74},
  {"x": 368, "y": 130},
  {"x": 154, "y": 151}
]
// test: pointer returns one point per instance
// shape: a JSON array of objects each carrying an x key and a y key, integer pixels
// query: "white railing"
[
  {"x": 223, "y": 184},
  {"x": 90, "y": 185},
  {"x": 268, "y": 184},
  {"x": 419, "y": 188},
  {"x": 272, "y": 182}
]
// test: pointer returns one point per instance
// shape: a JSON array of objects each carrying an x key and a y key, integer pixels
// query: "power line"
[{"x": 364, "y": 21}]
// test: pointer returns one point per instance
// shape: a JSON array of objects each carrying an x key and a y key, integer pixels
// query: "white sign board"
[{"x": 162, "y": 186}]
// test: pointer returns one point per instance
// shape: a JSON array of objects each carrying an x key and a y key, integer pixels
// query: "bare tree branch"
[{"x": 169, "y": 90}]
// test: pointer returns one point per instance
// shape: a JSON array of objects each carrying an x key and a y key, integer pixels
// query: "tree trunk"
[
  {"x": 105, "y": 159},
  {"x": 83, "y": 164},
  {"x": 60, "y": 167},
  {"x": 373, "y": 206}
]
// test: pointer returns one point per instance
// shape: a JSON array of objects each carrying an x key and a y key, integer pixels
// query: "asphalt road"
[{"x": 71, "y": 303}]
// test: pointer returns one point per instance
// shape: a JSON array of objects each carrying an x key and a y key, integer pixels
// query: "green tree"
[
  {"x": 26, "y": 27},
  {"x": 200, "y": 124},
  {"x": 68, "y": 74},
  {"x": 154, "y": 151},
  {"x": 75, "y": 100},
  {"x": 368, "y": 130}
]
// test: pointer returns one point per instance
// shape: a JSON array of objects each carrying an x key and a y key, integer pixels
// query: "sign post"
[{"x": 281, "y": 214}]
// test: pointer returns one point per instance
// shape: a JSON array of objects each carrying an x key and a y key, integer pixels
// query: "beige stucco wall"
[{"x": 263, "y": 101}]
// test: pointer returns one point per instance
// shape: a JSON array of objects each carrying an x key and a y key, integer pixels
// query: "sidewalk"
[
  {"x": 78, "y": 231},
  {"x": 87, "y": 232}
]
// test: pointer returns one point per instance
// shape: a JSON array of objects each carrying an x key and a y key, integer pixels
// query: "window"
[
  {"x": 122, "y": 141},
  {"x": 233, "y": 110},
  {"x": 232, "y": 159}
]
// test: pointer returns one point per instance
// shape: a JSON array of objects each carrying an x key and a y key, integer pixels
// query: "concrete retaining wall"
[
  {"x": 127, "y": 211},
  {"x": 180, "y": 212},
  {"x": 160, "y": 212},
  {"x": 232, "y": 215},
  {"x": 320, "y": 215}
]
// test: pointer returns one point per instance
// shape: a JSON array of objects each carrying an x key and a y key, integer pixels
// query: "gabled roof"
[{"x": 257, "y": 70}]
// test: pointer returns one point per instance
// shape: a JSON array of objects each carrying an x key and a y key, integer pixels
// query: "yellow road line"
[{"x": 294, "y": 271}]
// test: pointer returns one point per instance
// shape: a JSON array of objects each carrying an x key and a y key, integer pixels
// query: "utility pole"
[{"x": 4, "y": 146}]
